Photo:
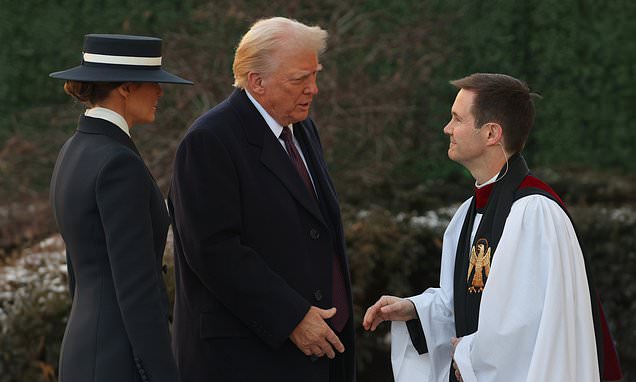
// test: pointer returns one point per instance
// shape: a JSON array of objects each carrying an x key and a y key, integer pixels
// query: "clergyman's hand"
[
  {"x": 314, "y": 337},
  {"x": 454, "y": 343},
  {"x": 388, "y": 308}
]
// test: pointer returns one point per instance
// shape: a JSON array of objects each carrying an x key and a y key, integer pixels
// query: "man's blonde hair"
[{"x": 255, "y": 52}]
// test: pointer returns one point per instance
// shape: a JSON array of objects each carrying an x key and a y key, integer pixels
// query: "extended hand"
[
  {"x": 314, "y": 337},
  {"x": 388, "y": 308}
]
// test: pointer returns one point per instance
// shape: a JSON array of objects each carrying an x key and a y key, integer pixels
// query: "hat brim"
[{"x": 117, "y": 73}]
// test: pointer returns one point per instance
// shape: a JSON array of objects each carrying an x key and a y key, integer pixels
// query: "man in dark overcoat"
[{"x": 263, "y": 290}]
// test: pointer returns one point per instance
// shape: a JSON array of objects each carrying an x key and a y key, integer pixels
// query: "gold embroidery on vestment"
[{"x": 480, "y": 262}]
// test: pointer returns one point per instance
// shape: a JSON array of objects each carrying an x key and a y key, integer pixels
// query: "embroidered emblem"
[{"x": 480, "y": 262}]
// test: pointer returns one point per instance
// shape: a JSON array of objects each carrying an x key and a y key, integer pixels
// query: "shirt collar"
[
  {"x": 276, "y": 128},
  {"x": 110, "y": 116},
  {"x": 491, "y": 180}
]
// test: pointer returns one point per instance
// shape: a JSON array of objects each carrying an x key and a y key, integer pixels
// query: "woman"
[{"x": 113, "y": 218}]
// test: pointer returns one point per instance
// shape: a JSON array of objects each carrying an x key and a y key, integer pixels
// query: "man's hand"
[
  {"x": 388, "y": 308},
  {"x": 454, "y": 343},
  {"x": 314, "y": 337}
]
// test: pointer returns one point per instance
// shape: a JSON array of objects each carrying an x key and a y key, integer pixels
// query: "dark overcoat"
[
  {"x": 253, "y": 249},
  {"x": 114, "y": 221}
]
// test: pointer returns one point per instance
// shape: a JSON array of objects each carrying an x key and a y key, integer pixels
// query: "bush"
[{"x": 34, "y": 305}]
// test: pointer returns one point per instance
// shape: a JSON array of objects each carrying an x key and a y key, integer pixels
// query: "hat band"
[{"x": 121, "y": 60}]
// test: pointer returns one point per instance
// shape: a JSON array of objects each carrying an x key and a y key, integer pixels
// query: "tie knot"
[{"x": 286, "y": 135}]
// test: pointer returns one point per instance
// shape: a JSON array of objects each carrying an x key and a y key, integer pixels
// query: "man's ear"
[
  {"x": 495, "y": 133},
  {"x": 255, "y": 83}
]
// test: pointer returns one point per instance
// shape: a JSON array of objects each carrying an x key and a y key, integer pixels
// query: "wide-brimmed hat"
[{"x": 120, "y": 58}]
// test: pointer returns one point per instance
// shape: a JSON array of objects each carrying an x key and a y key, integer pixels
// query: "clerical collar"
[
  {"x": 276, "y": 128},
  {"x": 110, "y": 116},
  {"x": 482, "y": 192}
]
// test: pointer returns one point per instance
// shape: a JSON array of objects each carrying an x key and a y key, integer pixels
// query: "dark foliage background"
[{"x": 384, "y": 98}]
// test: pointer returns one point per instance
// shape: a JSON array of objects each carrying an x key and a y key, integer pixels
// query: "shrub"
[{"x": 34, "y": 305}]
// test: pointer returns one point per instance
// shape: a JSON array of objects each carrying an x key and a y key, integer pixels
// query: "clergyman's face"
[
  {"x": 467, "y": 144},
  {"x": 289, "y": 90}
]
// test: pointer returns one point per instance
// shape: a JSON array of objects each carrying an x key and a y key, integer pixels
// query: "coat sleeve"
[
  {"x": 123, "y": 192},
  {"x": 535, "y": 318},
  {"x": 206, "y": 197}
]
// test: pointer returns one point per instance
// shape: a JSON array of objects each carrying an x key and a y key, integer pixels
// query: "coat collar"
[
  {"x": 252, "y": 122},
  {"x": 273, "y": 156},
  {"x": 100, "y": 126}
]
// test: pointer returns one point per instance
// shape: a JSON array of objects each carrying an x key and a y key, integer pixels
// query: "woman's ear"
[{"x": 124, "y": 89}]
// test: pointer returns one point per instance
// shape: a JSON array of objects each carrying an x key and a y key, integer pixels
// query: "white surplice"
[{"x": 535, "y": 317}]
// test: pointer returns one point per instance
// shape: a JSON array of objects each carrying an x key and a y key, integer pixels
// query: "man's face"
[
  {"x": 467, "y": 143},
  {"x": 288, "y": 91}
]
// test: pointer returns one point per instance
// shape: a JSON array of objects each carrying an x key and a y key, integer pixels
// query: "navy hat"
[{"x": 120, "y": 58}]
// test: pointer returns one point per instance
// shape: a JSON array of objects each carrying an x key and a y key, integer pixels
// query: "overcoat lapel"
[
  {"x": 318, "y": 173},
  {"x": 273, "y": 156}
]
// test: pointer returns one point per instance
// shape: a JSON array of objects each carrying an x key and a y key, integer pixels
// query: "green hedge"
[
  {"x": 578, "y": 54},
  {"x": 384, "y": 91}
]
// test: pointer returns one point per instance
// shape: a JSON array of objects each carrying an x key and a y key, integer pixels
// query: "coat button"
[
  {"x": 164, "y": 268},
  {"x": 318, "y": 295},
  {"x": 314, "y": 234}
]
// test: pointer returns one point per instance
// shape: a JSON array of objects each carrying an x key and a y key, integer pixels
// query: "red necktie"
[{"x": 339, "y": 296}]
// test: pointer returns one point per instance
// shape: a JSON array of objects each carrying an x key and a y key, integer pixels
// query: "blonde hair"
[{"x": 255, "y": 52}]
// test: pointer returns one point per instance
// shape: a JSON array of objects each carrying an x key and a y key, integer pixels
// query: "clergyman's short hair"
[
  {"x": 504, "y": 100},
  {"x": 255, "y": 52}
]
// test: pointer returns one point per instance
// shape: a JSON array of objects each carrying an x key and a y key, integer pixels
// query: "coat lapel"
[
  {"x": 313, "y": 154},
  {"x": 319, "y": 173},
  {"x": 273, "y": 156}
]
